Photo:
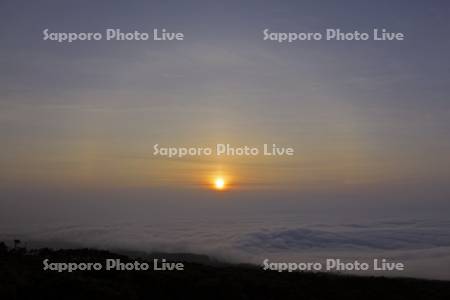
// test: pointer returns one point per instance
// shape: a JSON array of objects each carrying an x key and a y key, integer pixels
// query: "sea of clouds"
[{"x": 422, "y": 245}]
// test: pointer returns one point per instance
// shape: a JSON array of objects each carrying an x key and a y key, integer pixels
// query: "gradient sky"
[{"x": 368, "y": 120}]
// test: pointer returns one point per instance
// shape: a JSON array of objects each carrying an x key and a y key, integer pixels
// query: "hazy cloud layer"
[
  {"x": 363, "y": 237},
  {"x": 422, "y": 245}
]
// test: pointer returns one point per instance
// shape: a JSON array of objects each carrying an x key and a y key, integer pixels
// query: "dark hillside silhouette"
[{"x": 22, "y": 277}]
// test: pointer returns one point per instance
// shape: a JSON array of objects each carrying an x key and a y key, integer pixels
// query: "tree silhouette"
[{"x": 3, "y": 248}]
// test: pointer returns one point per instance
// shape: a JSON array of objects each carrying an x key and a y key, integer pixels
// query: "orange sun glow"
[{"x": 219, "y": 183}]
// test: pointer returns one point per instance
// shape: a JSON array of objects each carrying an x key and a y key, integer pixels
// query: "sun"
[{"x": 219, "y": 183}]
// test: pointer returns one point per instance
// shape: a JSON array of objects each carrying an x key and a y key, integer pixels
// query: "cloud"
[
  {"x": 383, "y": 236},
  {"x": 422, "y": 245}
]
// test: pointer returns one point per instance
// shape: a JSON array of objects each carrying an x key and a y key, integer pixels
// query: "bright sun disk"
[{"x": 219, "y": 183}]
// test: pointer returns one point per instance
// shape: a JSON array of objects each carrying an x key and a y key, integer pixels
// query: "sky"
[{"x": 369, "y": 121}]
